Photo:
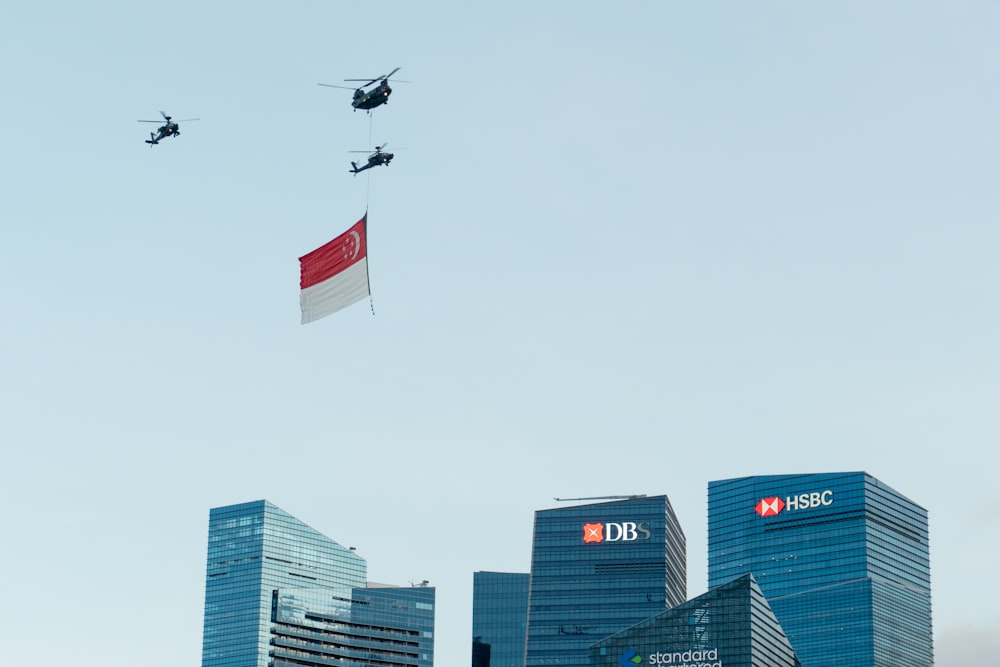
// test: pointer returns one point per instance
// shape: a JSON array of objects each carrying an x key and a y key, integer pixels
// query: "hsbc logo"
[
  {"x": 803, "y": 501},
  {"x": 770, "y": 506},
  {"x": 611, "y": 531}
]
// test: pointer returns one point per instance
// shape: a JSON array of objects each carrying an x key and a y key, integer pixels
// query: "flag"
[{"x": 335, "y": 275}]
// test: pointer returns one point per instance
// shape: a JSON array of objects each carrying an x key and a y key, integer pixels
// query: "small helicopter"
[
  {"x": 370, "y": 99},
  {"x": 375, "y": 159},
  {"x": 170, "y": 129}
]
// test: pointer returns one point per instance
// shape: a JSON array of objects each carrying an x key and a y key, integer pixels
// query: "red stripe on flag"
[{"x": 330, "y": 259}]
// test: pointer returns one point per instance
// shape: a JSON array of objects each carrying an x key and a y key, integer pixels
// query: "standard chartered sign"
[{"x": 706, "y": 658}]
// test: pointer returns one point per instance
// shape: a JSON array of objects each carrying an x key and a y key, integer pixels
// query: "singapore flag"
[{"x": 335, "y": 275}]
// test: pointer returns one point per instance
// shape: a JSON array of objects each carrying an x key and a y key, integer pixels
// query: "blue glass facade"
[
  {"x": 731, "y": 625},
  {"x": 499, "y": 618},
  {"x": 385, "y": 626},
  {"x": 258, "y": 556},
  {"x": 597, "y": 569},
  {"x": 842, "y": 558}
]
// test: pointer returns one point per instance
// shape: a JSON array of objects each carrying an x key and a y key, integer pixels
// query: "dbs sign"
[{"x": 615, "y": 531}]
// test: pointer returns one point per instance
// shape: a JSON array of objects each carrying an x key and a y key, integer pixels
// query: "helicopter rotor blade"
[
  {"x": 364, "y": 85},
  {"x": 188, "y": 120},
  {"x": 330, "y": 85},
  {"x": 149, "y": 121},
  {"x": 165, "y": 116}
]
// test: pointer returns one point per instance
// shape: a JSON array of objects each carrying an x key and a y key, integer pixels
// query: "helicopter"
[
  {"x": 170, "y": 129},
  {"x": 369, "y": 99},
  {"x": 374, "y": 160}
]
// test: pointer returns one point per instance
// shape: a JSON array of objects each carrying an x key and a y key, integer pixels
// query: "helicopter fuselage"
[
  {"x": 368, "y": 100},
  {"x": 365, "y": 97},
  {"x": 374, "y": 160},
  {"x": 168, "y": 130}
]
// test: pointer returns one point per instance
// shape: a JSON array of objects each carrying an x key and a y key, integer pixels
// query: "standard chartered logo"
[{"x": 629, "y": 658}]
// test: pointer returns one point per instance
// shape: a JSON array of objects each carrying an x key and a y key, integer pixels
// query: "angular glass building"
[
  {"x": 352, "y": 626},
  {"x": 842, "y": 558},
  {"x": 731, "y": 626},
  {"x": 278, "y": 592},
  {"x": 598, "y": 568},
  {"x": 499, "y": 618}
]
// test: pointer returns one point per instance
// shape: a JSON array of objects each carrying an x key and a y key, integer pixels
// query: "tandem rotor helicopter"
[
  {"x": 369, "y": 99},
  {"x": 170, "y": 129},
  {"x": 374, "y": 160}
]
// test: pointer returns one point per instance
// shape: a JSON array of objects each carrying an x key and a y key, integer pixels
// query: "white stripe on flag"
[{"x": 336, "y": 292}]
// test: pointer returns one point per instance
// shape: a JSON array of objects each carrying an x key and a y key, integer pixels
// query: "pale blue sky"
[{"x": 628, "y": 249}]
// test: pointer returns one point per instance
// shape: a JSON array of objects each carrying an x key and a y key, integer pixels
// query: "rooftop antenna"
[{"x": 565, "y": 500}]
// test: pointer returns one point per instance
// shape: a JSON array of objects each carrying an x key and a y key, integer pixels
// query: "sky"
[{"x": 623, "y": 248}]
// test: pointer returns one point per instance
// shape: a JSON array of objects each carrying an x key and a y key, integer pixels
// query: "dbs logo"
[
  {"x": 612, "y": 531},
  {"x": 593, "y": 532}
]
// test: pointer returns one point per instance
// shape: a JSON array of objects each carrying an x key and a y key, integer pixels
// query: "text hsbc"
[
  {"x": 802, "y": 501},
  {"x": 612, "y": 531}
]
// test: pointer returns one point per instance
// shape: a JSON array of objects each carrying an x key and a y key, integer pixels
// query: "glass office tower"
[
  {"x": 730, "y": 625},
  {"x": 499, "y": 618},
  {"x": 842, "y": 558},
  {"x": 597, "y": 569},
  {"x": 278, "y": 592},
  {"x": 388, "y": 626}
]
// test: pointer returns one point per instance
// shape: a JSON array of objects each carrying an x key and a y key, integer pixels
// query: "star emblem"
[{"x": 593, "y": 532}]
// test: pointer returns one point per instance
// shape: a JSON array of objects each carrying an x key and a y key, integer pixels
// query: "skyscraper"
[
  {"x": 278, "y": 592},
  {"x": 842, "y": 558},
  {"x": 597, "y": 569},
  {"x": 499, "y": 618},
  {"x": 730, "y": 625}
]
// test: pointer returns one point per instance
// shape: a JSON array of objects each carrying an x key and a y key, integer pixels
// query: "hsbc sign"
[
  {"x": 802, "y": 501},
  {"x": 616, "y": 531}
]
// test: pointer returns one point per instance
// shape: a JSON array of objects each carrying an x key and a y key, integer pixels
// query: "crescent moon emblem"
[{"x": 357, "y": 245}]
